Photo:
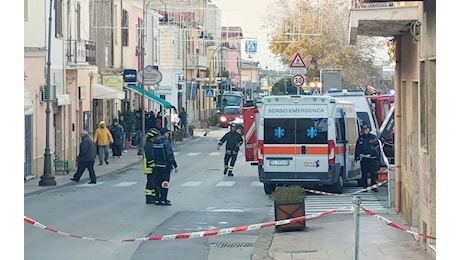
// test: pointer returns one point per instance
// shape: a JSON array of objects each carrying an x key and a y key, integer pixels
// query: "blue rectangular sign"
[
  {"x": 130, "y": 75},
  {"x": 251, "y": 46}
]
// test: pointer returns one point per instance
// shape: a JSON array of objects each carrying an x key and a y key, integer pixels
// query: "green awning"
[{"x": 150, "y": 95}]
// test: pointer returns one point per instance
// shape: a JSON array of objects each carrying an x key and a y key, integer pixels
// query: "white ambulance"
[
  {"x": 363, "y": 106},
  {"x": 306, "y": 140}
]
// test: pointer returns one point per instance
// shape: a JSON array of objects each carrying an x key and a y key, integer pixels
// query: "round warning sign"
[{"x": 297, "y": 80}]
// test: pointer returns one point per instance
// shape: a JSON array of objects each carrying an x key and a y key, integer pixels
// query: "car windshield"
[{"x": 232, "y": 111}]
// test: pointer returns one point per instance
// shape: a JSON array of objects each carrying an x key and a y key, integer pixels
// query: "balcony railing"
[
  {"x": 194, "y": 61},
  {"x": 358, "y": 4},
  {"x": 81, "y": 52}
]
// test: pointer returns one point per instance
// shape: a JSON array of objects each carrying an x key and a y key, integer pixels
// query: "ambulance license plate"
[{"x": 279, "y": 162}]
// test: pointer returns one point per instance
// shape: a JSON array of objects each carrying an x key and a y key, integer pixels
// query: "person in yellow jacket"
[{"x": 103, "y": 139}]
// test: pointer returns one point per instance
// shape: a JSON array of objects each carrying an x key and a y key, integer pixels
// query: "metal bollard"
[{"x": 356, "y": 207}]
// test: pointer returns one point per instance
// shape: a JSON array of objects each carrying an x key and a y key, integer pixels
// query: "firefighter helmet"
[{"x": 153, "y": 132}]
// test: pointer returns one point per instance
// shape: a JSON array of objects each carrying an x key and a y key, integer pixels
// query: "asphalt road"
[{"x": 115, "y": 210}]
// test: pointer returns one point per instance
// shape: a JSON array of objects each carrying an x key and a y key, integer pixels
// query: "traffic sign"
[
  {"x": 297, "y": 62},
  {"x": 297, "y": 80},
  {"x": 151, "y": 76},
  {"x": 209, "y": 92},
  {"x": 251, "y": 46}
]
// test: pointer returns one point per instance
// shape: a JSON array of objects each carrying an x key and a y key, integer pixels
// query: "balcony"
[
  {"x": 197, "y": 62},
  {"x": 386, "y": 19},
  {"x": 81, "y": 52}
]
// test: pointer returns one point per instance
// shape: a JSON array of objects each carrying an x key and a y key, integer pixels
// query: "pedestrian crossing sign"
[
  {"x": 209, "y": 92},
  {"x": 251, "y": 46},
  {"x": 297, "y": 62}
]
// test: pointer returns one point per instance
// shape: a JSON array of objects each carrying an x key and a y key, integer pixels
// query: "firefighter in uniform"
[
  {"x": 369, "y": 155},
  {"x": 149, "y": 165},
  {"x": 164, "y": 164},
  {"x": 234, "y": 141}
]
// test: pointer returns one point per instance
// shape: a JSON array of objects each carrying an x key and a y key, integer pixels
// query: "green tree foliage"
[
  {"x": 284, "y": 86},
  {"x": 318, "y": 31}
]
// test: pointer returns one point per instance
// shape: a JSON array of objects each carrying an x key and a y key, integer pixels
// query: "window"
[
  {"x": 26, "y": 10},
  {"x": 58, "y": 19},
  {"x": 340, "y": 130},
  {"x": 78, "y": 11},
  {"x": 352, "y": 130},
  {"x": 295, "y": 131},
  {"x": 124, "y": 30},
  {"x": 364, "y": 119},
  {"x": 423, "y": 108},
  {"x": 232, "y": 111},
  {"x": 279, "y": 131}
]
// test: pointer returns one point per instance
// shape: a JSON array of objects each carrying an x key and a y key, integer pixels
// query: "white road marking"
[
  {"x": 226, "y": 183},
  {"x": 192, "y": 183},
  {"x": 257, "y": 183},
  {"x": 215, "y": 153},
  {"x": 125, "y": 184},
  {"x": 90, "y": 185},
  {"x": 193, "y": 154}
]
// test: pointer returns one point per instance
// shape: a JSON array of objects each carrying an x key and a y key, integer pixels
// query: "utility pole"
[{"x": 47, "y": 179}]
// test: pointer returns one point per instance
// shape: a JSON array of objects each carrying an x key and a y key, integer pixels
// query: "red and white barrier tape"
[
  {"x": 392, "y": 224},
  {"x": 207, "y": 233},
  {"x": 348, "y": 194}
]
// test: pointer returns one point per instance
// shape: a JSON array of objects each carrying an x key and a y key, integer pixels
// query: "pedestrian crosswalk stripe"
[
  {"x": 191, "y": 183},
  {"x": 90, "y": 185},
  {"x": 176, "y": 153},
  {"x": 257, "y": 183},
  {"x": 193, "y": 154},
  {"x": 214, "y": 153},
  {"x": 225, "y": 183},
  {"x": 125, "y": 183}
]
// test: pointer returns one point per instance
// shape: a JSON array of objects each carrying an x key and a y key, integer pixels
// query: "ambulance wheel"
[
  {"x": 338, "y": 187},
  {"x": 269, "y": 188}
]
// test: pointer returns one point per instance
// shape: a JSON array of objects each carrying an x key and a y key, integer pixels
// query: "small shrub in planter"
[{"x": 289, "y": 202}]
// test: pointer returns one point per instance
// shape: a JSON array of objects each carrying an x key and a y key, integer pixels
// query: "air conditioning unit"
[{"x": 44, "y": 93}]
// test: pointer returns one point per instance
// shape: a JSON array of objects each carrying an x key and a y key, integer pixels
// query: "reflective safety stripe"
[
  {"x": 150, "y": 192},
  {"x": 147, "y": 170}
]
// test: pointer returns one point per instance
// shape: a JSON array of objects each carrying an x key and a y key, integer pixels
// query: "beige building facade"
[{"x": 413, "y": 49}]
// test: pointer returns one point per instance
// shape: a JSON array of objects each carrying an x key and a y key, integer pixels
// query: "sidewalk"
[{"x": 332, "y": 237}]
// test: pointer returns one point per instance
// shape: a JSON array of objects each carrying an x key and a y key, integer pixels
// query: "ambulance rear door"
[{"x": 295, "y": 139}]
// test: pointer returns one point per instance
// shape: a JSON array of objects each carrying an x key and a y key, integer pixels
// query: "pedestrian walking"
[
  {"x": 149, "y": 165},
  {"x": 117, "y": 132},
  {"x": 122, "y": 122},
  {"x": 103, "y": 139},
  {"x": 164, "y": 164},
  {"x": 158, "y": 120},
  {"x": 175, "y": 121},
  {"x": 85, "y": 159},
  {"x": 138, "y": 128},
  {"x": 368, "y": 156},
  {"x": 183, "y": 118},
  {"x": 234, "y": 140}
]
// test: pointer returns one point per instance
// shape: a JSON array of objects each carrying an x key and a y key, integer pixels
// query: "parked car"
[{"x": 229, "y": 114}]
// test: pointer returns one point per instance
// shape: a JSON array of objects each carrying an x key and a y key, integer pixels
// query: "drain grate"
[{"x": 230, "y": 245}]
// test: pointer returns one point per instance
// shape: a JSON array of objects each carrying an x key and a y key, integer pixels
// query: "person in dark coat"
[
  {"x": 234, "y": 141},
  {"x": 164, "y": 164},
  {"x": 117, "y": 132},
  {"x": 183, "y": 118},
  {"x": 86, "y": 158},
  {"x": 368, "y": 155}
]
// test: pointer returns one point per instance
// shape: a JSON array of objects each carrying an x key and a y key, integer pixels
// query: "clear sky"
[{"x": 251, "y": 15}]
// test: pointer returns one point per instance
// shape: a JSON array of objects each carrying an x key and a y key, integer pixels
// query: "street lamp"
[
  {"x": 47, "y": 179},
  {"x": 140, "y": 145}
]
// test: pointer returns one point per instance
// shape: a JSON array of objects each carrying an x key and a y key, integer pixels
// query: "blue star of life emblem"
[
  {"x": 279, "y": 132},
  {"x": 312, "y": 132}
]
